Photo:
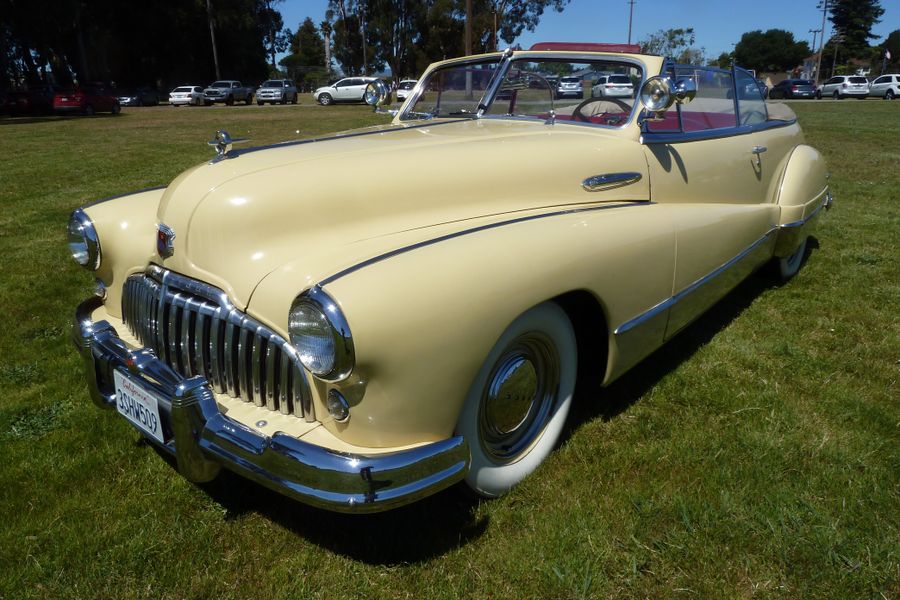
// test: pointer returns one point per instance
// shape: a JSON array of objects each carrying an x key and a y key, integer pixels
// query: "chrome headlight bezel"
[
  {"x": 322, "y": 307},
  {"x": 84, "y": 243}
]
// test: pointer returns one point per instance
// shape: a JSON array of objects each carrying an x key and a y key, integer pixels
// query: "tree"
[
  {"x": 277, "y": 38},
  {"x": 854, "y": 20},
  {"x": 516, "y": 16},
  {"x": 668, "y": 42},
  {"x": 723, "y": 61},
  {"x": 774, "y": 50},
  {"x": 307, "y": 58}
]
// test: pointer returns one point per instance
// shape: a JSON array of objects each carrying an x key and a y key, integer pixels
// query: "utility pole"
[
  {"x": 630, "y": 16},
  {"x": 815, "y": 33},
  {"x": 212, "y": 36},
  {"x": 824, "y": 6},
  {"x": 362, "y": 23}
]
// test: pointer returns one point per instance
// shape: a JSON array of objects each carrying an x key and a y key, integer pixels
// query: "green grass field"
[{"x": 754, "y": 456}]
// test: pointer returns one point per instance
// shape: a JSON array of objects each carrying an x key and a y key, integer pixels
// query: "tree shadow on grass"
[
  {"x": 592, "y": 401},
  {"x": 29, "y": 119}
]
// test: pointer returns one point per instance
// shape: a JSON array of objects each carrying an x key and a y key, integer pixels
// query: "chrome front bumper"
[{"x": 203, "y": 439}]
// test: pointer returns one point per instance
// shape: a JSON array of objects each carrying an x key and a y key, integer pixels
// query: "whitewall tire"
[
  {"x": 790, "y": 265},
  {"x": 516, "y": 407}
]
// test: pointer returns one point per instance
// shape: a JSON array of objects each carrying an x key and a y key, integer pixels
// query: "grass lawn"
[{"x": 756, "y": 455}]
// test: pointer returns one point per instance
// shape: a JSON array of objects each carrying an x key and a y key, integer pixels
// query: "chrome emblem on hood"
[{"x": 165, "y": 240}]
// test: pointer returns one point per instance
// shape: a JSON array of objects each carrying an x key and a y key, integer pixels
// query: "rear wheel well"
[{"x": 591, "y": 332}]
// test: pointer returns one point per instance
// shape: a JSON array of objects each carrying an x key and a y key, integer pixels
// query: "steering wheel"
[{"x": 582, "y": 117}]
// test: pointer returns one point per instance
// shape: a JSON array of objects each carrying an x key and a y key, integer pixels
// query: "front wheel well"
[{"x": 591, "y": 332}]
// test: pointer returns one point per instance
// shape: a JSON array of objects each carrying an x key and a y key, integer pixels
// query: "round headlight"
[
  {"x": 83, "y": 241},
  {"x": 656, "y": 94},
  {"x": 321, "y": 335}
]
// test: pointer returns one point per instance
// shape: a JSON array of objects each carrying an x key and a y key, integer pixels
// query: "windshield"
[
  {"x": 858, "y": 80},
  {"x": 453, "y": 91},
  {"x": 272, "y": 83},
  {"x": 407, "y": 85},
  {"x": 221, "y": 84},
  {"x": 182, "y": 89},
  {"x": 528, "y": 90}
]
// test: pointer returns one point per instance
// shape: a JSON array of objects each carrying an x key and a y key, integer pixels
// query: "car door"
[
  {"x": 880, "y": 85},
  {"x": 342, "y": 89},
  {"x": 715, "y": 171}
]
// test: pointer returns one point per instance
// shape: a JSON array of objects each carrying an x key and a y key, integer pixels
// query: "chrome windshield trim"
[
  {"x": 693, "y": 287},
  {"x": 450, "y": 236}
]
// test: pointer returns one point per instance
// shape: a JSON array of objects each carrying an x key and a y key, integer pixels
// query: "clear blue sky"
[{"x": 718, "y": 23}]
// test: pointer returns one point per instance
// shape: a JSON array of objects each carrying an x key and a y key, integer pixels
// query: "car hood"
[{"x": 311, "y": 209}]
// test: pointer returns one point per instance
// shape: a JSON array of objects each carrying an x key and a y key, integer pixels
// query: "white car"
[
  {"x": 886, "y": 86},
  {"x": 186, "y": 94},
  {"x": 404, "y": 88},
  {"x": 844, "y": 86},
  {"x": 348, "y": 89},
  {"x": 613, "y": 86}
]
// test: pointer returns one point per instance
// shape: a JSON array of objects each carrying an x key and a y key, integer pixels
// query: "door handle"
[
  {"x": 609, "y": 181},
  {"x": 757, "y": 150}
]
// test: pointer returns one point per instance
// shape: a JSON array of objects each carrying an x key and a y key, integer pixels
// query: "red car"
[{"x": 86, "y": 100}]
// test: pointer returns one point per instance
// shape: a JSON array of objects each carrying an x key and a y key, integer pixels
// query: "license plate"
[{"x": 138, "y": 405}]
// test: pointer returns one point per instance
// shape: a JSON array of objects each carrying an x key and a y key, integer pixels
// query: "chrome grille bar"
[{"x": 195, "y": 329}]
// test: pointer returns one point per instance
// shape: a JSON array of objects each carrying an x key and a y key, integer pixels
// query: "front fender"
[{"x": 126, "y": 227}]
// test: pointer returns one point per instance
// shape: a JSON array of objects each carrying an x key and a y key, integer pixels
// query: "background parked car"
[
  {"x": 569, "y": 87},
  {"x": 186, "y": 94},
  {"x": 886, "y": 86},
  {"x": 845, "y": 86},
  {"x": 138, "y": 97},
  {"x": 404, "y": 88},
  {"x": 793, "y": 88},
  {"x": 228, "y": 91},
  {"x": 279, "y": 91},
  {"x": 613, "y": 86},
  {"x": 86, "y": 100},
  {"x": 348, "y": 89},
  {"x": 35, "y": 100}
]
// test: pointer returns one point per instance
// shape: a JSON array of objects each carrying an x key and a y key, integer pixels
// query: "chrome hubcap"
[{"x": 519, "y": 397}]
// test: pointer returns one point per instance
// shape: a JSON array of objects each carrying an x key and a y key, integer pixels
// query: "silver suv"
[
  {"x": 279, "y": 91},
  {"x": 886, "y": 86},
  {"x": 844, "y": 86}
]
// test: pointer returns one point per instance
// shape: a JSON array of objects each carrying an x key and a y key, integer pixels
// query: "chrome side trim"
[
  {"x": 609, "y": 181},
  {"x": 690, "y": 289},
  {"x": 203, "y": 439},
  {"x": 450, "y": 236},
  {"x": 800, "y": 223}
]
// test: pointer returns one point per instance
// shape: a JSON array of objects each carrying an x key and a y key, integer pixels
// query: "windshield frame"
[{"x": 506, "y": 59}]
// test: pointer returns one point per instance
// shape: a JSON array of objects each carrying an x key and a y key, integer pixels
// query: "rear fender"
[{"x": 802, "y": 194}]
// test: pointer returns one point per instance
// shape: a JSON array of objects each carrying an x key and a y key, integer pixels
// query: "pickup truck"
[{"x": 228, "y": 91}]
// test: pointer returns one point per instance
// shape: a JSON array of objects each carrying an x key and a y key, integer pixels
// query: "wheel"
[
  {"x": 248, "y": 100},
  {"x": 116, "y": 108},
  {"x": 836, "y": 95},
  {"x": 294, "y": 99},
  {"x": 259, "y": 102},
  {"x": 229, "y": 101},
  {"x": 325, "y": 99},
  {"x": 889, "y": 95},
  {"x": 207, "y": 103},
  {"x": 88, "y": 110},
  {"x": 818, "y": 94},
  {"x": 518, "y": 403},
  {"x": 789, "y": 266}
]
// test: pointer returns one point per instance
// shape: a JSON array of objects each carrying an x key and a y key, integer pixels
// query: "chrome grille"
[{"x": 195, "y": 329}]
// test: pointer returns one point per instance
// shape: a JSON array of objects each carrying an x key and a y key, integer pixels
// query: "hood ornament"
[
  {"x": 223, "y": 143},
  {"x": 165, "y": 240}
]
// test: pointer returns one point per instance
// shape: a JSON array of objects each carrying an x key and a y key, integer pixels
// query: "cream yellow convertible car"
[{"x": 276, "y": 312}]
